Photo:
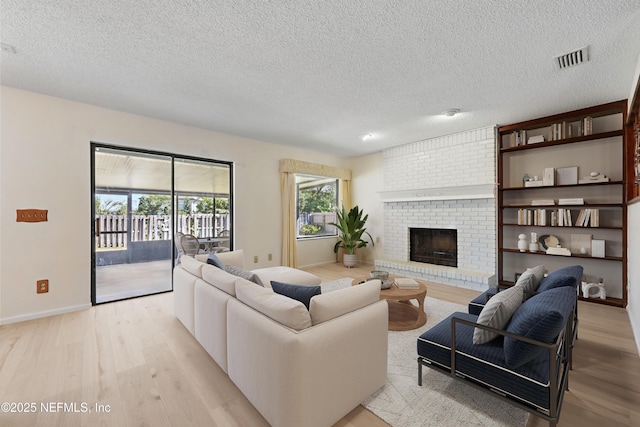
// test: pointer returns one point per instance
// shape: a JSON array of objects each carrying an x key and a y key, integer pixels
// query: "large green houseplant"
[{"x": 351, "y": 230}]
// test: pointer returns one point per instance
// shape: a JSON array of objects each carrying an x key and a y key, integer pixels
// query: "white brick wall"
[{"x": 465, "y": 158}]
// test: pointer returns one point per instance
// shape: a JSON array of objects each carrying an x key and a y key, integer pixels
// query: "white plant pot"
[{"x": 350, "y": 260}]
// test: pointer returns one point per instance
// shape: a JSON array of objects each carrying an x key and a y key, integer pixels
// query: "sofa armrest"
[{"x": 311, "y": 377}]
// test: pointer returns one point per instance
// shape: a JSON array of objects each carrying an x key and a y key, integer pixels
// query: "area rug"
[{"x": 441, "y": 401}]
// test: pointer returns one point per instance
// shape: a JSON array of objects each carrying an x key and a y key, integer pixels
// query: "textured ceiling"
[{"x": 320, "y": 74}]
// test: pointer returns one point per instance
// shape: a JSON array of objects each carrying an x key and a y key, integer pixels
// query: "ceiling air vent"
[{"x": 572, "y": 59}]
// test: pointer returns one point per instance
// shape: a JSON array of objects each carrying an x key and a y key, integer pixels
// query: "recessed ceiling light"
[
  {"x": 451, "y": 112},
  {"x": 366, "y": 137}
]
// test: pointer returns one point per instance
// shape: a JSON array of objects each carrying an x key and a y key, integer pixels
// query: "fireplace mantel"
[{"x": 462, "y": 192}]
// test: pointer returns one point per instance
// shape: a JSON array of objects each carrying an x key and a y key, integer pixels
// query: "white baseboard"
[{"x": 31, "y": 316}]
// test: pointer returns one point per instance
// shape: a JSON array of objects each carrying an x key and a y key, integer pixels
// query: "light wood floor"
[{"x": 138, "y": 359}]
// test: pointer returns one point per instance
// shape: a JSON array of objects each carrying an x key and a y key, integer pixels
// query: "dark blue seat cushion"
[
  {"x": 558, "y": 278},
  {"x": 486, "y": 363},
  {"x": 541, "y": 318}
]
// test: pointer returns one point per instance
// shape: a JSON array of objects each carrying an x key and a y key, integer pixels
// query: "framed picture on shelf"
[{"x": 567, "y": 176}]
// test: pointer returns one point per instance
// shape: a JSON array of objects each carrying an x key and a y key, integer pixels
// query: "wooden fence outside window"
[{"x": 144, "y": 228}]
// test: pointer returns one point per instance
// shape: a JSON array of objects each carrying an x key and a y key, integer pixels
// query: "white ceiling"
[{"x": 320, "y": 74}]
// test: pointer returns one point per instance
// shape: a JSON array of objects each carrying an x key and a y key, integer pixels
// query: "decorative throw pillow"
[
  {"x": 214, "y": 260},
  {"x": 497, "y": 312},
  {"x": 538, "y": 274},
  {"x": 558, "y": 281},
  {"x": 551, "y": 281},
  {"x": 302, "y": 293},
  {"x": 249, "y": 275},
  {"x": 540, "y": 318},
  {"x": 527, "y": 281}
]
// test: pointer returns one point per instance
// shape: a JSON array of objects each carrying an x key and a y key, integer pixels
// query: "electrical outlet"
[
  {"x": 42, "y": 286},
  {"x": 377, "y": 239},
  {"x": 255, "y": 258},
  {"x": 270, "y": 257}
]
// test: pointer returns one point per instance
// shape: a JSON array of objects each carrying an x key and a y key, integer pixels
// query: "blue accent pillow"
[
  {"x": 541, "y": 318},
  {"x": 551, "y": 281},
  {"x": 302, "y": 293},
  {"x": 557, "y": 281},
  {"x": 214, "y": 260}
]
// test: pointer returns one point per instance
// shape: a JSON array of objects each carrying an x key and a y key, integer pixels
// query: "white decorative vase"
[
  {"x": 350, "y": 260},
  {"x": 522, "y": 243},
  {"x": 533, "y": 246}
]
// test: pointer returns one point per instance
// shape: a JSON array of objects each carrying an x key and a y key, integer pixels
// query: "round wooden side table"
[{"x": 403, "y": 315}]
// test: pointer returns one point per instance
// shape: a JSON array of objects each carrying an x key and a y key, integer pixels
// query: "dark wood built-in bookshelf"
[{"x": 594, "y": 139}]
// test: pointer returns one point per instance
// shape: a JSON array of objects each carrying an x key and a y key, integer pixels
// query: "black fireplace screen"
[{"x": 434, "y": 246}]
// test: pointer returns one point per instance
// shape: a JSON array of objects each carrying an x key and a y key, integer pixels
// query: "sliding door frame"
[{"x": 173, "y": 156}]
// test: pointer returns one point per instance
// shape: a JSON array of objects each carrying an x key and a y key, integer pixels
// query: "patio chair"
[
  {"x": 191, "y": 245},
  {"x": 225, "y": 245},
  {"x": 177, "y": 240}
]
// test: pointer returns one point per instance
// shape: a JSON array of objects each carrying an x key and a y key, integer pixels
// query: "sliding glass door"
[{"x": 141, "y": 202}]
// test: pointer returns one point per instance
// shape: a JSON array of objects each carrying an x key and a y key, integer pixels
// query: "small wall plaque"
[{"x": 31, "y": 215}]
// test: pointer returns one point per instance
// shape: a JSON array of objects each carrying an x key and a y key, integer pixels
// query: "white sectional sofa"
[{"x": 298, "y": 367}]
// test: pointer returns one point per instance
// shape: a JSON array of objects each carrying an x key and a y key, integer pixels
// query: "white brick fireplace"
[{"x": 446, "y": 183}]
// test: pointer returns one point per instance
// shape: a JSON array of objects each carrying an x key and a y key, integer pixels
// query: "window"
[{"x": 317, "y": 200}]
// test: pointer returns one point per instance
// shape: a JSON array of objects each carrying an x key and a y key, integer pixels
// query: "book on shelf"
[
  {"x": 549, "y": 177},
  {"x": 532, "y": 217},
  {"x": 590, "y": 180},
  {"x": 586, "y": 126},
  {"x": 588, "y": 217},
  {"x": 406, "y": 283},
  {"x": 535, "y": 139},
  {"x": 563, "y": 218},
  {"x": 558, "y": 251},
  {"x": 543, "y": 202},
  {"x": 572, "y": 201},
  {"x": 567, "y": 218},
  {"x": 560, "y": 130}
]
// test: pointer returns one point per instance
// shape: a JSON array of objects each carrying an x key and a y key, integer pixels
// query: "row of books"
[
  {"x": 559, "y": 217},
  {"x": 551, "y": 202},
  {"x": 557, "y": 131},
  {"x": 588, "y": 216},
  {"x": 532, "y": 217}
]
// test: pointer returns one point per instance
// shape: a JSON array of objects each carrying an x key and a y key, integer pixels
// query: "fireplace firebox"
[{"x": 434, "y": 246}]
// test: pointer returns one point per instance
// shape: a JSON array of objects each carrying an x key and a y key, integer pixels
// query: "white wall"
[
  {"x": 365, "y": 188},
  {"x": 45, "y": 164}
]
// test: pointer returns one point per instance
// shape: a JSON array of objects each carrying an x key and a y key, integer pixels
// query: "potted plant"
[{"x": 351, "y": 229}]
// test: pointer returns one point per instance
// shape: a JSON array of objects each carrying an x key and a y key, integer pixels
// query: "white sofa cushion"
[
  {"x": 333, "y": 304},
  {"x": 286, "y": 275},
  {"x": 289, "y": 312},
  {"x": 235, "y": 258},
  {"x": 192, "y": 265},
  {"x": 219, "y": 278}
]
